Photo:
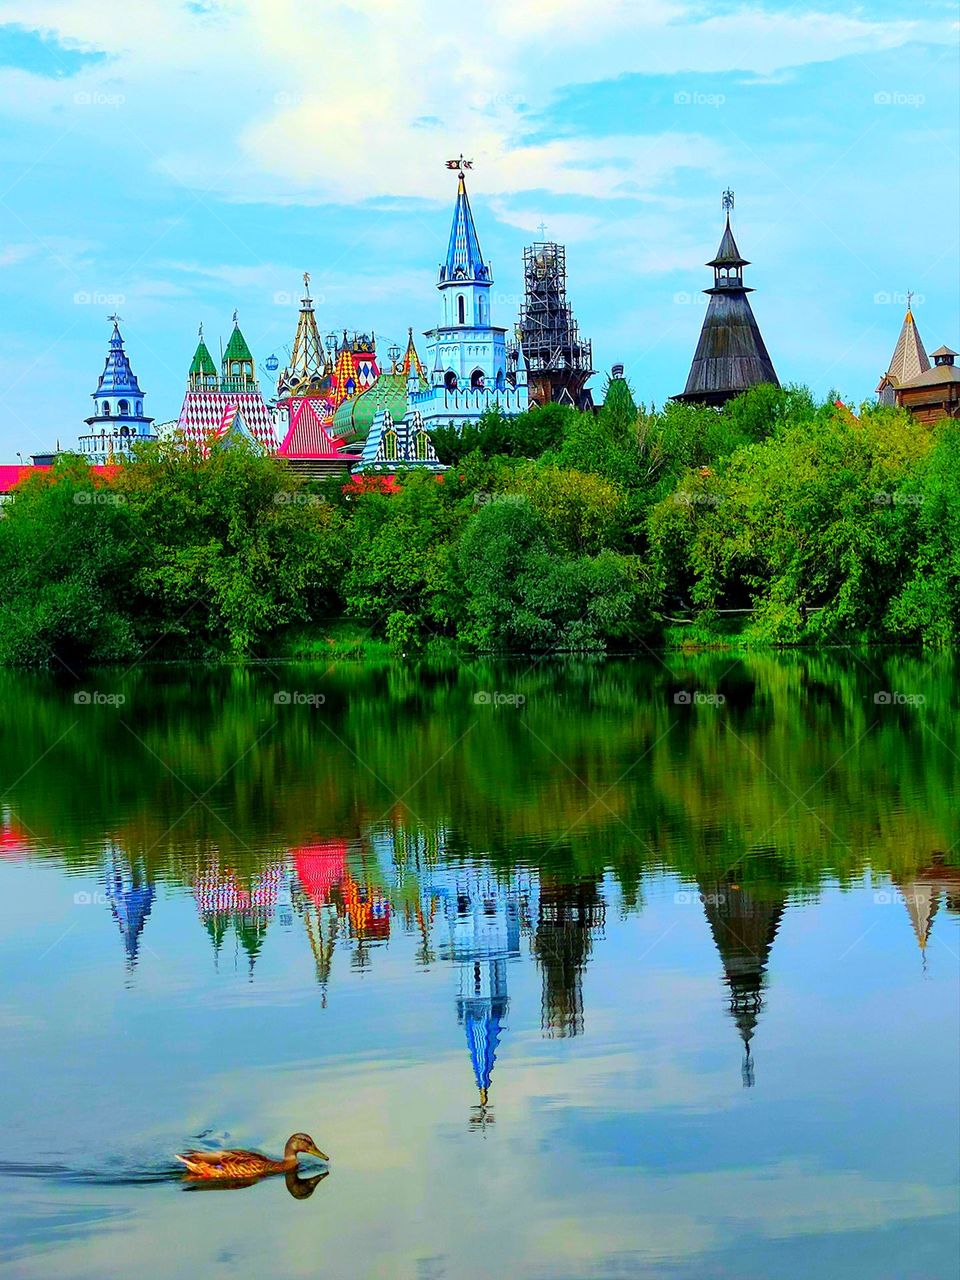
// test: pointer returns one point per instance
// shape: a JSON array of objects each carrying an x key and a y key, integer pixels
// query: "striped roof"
[
  {"x": 207, "y": 416},
  {"x": 307, "y": 436},
  {"x": 909, "y": 358}
]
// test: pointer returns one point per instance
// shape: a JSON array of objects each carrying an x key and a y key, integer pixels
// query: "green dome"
[{"x": 354, "y": 418}]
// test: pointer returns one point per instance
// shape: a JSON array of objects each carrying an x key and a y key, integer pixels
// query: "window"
[
  {"x": 123, "y": 408},
  {"x": 476, "y": 380},
  {"x": 450, "y": 380},
  {"x": 106, "y": 408},
  {"x": 390, "y": 445},
  {"x": 139, "y": 408},
  {"x": 461, "y": 309},
  {"x": 422, "y": 446}
]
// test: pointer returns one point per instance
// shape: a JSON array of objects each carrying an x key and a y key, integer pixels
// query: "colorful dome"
[{"x": 354, "y": 418}]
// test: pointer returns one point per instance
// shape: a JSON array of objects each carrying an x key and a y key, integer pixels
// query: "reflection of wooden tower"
[
  {"x": 568, "y": 915},
  {"x": 923, "y": 894},
  {"x": 743, "y": 927}
]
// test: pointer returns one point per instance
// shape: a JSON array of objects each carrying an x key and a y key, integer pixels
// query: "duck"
[{"x": 238, "y": 1164}]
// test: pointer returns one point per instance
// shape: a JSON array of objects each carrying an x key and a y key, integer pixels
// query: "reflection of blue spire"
[{"x": 130, "y": 897}]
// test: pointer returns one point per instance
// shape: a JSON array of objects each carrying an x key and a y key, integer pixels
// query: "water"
[{"x": 575, "y": 970}]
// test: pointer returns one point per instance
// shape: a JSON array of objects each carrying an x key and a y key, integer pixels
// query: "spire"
[
  {"x": 464, "y": 260},
  {"x": 731, "y": 355},
  {"x": 117, "y": 379},
  {"x": 203, "y": 372},
  {"x": 237, "y": 365},
  {"x": 411, "y": 361},
  {"x": 909, "y": 359},
  {"x": 308, "y": 362}
]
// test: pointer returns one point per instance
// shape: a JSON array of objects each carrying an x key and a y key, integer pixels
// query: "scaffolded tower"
[{"x": 558, "y": 359}]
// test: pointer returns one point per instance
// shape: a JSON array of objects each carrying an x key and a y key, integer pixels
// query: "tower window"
[
  {"x": 139, "y": 408},
  {"x": 123, "y": 408},
  {"x": 476, "y": 380},
  {"x": 461, "y": 309},
  {"x": 450, "y": 380},
  {"x": 106, "y": 408}
]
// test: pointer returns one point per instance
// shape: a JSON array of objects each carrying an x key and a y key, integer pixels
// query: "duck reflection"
[{"x": 300, "y": 1188}]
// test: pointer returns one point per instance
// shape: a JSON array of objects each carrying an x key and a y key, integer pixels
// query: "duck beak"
[{"x": 315, "y": 1151}]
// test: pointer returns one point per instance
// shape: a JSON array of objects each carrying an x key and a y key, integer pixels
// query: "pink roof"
[
  {"x": 11, "y": 476},
  {"x": 319, "y": 867},
  {"x": 307, "y": 436},
  {"x": 207, "y": 415}
]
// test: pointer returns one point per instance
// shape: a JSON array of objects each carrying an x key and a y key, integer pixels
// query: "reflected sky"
[{"x": 531, "y": 1045}]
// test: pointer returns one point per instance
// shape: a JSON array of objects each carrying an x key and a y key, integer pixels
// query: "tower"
[
  {"x": 730, "y": 356},
  {"x": 559, "y": 361},
  {"x": 221, "y": 410},
  {"x": 118, "y": 420},
  {"x": 465, "y": 348},
  {"x": 309, "y": 371},
  {"x": 908, "y": 361},
  {"x": 236, "y": 368}
]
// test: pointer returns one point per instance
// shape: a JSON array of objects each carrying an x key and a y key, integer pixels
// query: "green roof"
[
  {"x": 353, "y": 420},
  {"x": 203, "y": 361},
  {"x": 237, "y": 348}
]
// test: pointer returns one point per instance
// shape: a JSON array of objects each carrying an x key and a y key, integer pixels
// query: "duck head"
[{"x": 302, "y": 1144}]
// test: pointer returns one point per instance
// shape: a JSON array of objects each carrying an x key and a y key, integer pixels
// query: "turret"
[
  {"x": 236, "y": 370},
  {"x": 118, "y": 420},
  {"x": 203, "y": 372}
]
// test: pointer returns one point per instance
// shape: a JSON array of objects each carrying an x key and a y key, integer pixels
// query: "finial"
[
  {"x": 460, "y": 165},
  {"x": 116, "y": 319},
  {"x": 235, "y": 317},
  {"x": 909, "y": 299},
  {"x": 200, "y": 331},
  {"x": 727, "y": 200},
  {"x": 542, "y": 228}
]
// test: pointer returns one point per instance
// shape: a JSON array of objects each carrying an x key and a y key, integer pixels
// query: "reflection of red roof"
[
  {"x": 13, "y": 840},
  {"x": 11, "y": 476},
  {"x": 319, "y": 867},
  {"x": 368, "y": 908}
]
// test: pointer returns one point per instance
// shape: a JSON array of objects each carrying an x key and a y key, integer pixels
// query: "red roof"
[
  {"x": 320, "y": 867},
  {"x": 307, "y": 436},
  {"x": 11, "y": 476}
]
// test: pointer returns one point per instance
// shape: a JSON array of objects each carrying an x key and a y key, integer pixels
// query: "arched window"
[
  {"x": 139, "y": 408},
  {"x": 476, "y": 380},
  {"x": 461, "y": 309},
  {"x": 501, "y": 381},
  {"x": 422, "y": 446},
  {"x": 351, "y": 386},
  {"x": 106, "y": 408},
  {"x": 123, "y": 408},
  {"x": 450, "y": 380},
  {"x": 390, "y": 445}
]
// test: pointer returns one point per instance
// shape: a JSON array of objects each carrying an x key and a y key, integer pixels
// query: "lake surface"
[{"x": 575, "y": 970}]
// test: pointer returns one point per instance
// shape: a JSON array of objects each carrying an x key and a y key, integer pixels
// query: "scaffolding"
[{"x": 560, "y": 362}]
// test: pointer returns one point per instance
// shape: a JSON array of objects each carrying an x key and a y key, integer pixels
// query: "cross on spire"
[
  {"x": 542, "y": 228},
  {"x": 728, "y": 200}
]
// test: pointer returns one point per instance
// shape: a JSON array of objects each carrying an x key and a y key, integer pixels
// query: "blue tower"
[{"x": 118, "y": 420}]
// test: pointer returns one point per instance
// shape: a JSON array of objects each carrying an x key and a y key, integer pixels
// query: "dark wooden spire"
[{"x": 731, "y": 355}]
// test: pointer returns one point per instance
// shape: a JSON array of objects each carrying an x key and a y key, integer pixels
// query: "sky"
[{"x": 174, "y": 160}]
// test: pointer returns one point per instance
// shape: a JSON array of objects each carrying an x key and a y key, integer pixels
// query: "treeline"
[{"x": 555, "y": 531}]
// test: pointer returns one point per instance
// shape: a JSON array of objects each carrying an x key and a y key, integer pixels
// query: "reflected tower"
[
  {"x": 130, "y": 896},
  {"x": 743, "y": 927},
  {"x": 568, "y": 916}
]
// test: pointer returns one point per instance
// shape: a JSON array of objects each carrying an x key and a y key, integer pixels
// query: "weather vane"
[
  {"x": 235, "y": 321},
  {"x": 728, "y": 200},
  {"x": 460, "y": 164},
  {"x": 306, "y": 281},
  {"x": 116, "y": 319}
]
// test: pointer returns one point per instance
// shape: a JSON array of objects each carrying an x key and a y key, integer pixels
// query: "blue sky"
[{"x": 177, "y": 160}]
